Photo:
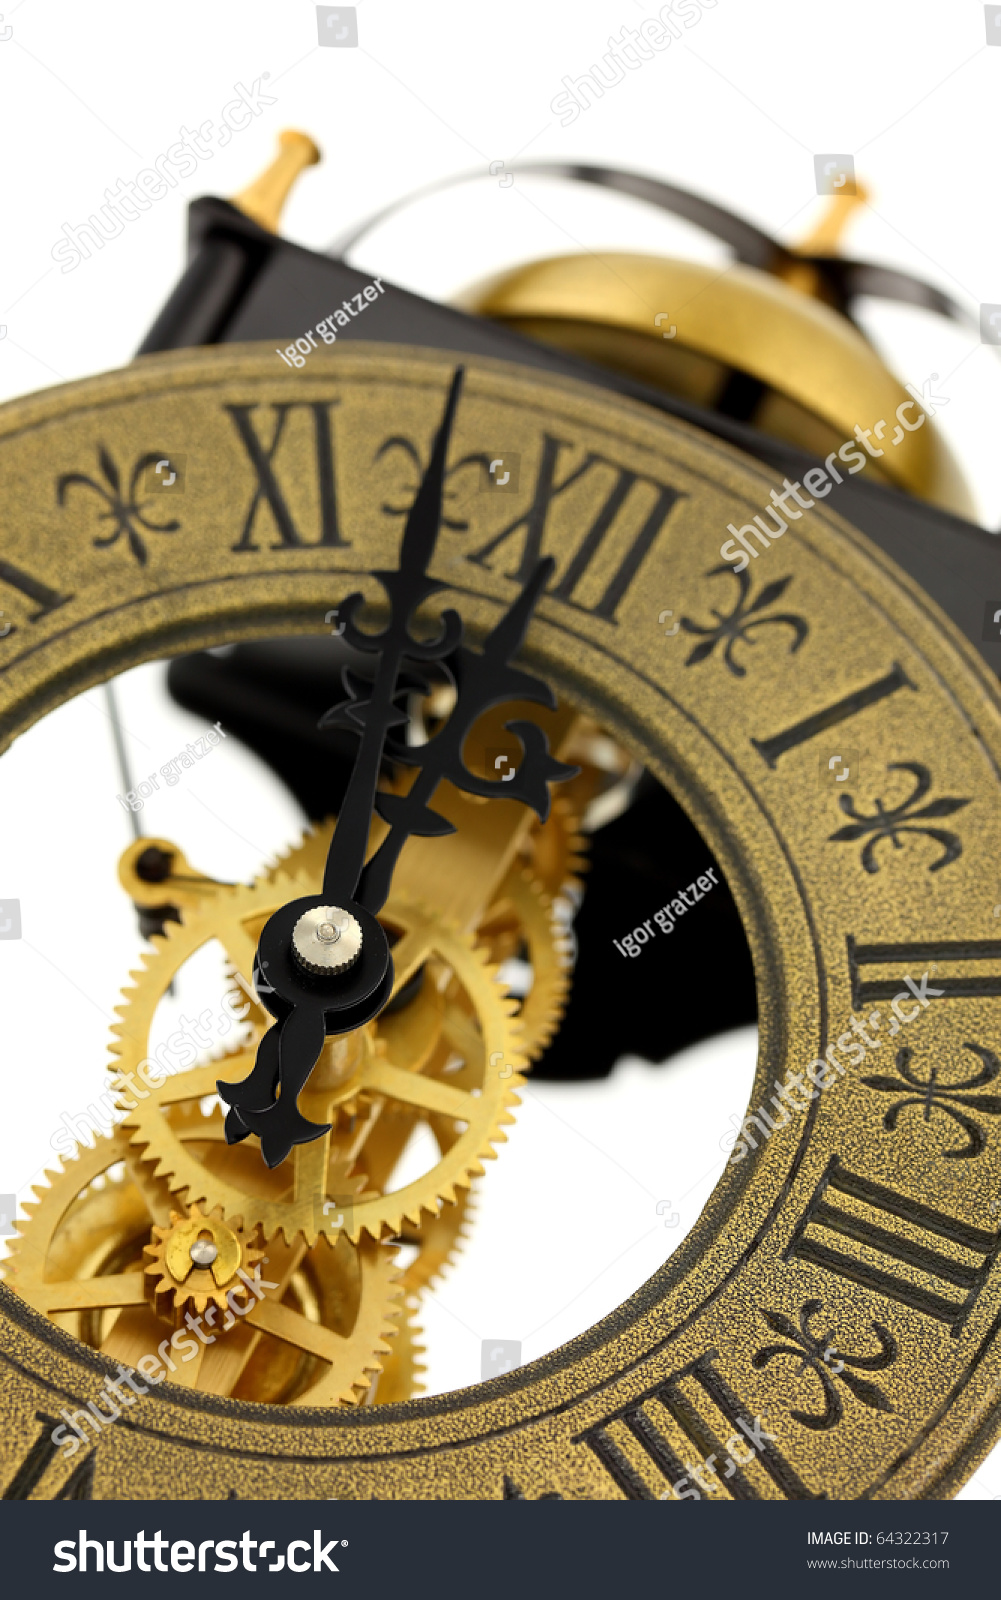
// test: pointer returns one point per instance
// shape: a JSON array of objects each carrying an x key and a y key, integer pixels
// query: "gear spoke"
[
  {"x": 309, "y": 1166},
  {"x": 201, "y": 1081},
  {"x": 464, "y": 1035},
  {"x": 135, "y": 1332},
  {"x": 281, "y": 1322},
  {"x": 241, "y": 951},
  {"x": 409, "y": 953},
  {"x": 93, "y": 1294},
  {"x": 428, "y": 1094}
]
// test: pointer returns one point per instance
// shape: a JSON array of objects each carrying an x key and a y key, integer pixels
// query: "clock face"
[{"x": 827, "y": 1326}]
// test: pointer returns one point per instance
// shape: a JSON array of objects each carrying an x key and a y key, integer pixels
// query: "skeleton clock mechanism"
[{"x": 420, "y": 570}]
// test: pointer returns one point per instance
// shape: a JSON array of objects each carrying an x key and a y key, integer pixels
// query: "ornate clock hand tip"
[{"x": 424, "y": 518}]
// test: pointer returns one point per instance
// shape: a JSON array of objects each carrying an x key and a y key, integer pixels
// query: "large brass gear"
[
  {"x": 319, "y": 1339},
  {"x": 462, "y": 1081},
  {"x": 437, "y": 1244}
]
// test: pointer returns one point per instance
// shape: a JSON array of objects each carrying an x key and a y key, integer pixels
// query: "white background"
[{"x": 736, "y": 109}]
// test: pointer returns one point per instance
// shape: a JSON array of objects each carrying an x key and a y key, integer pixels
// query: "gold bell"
[{"x": 758, "y": 345}]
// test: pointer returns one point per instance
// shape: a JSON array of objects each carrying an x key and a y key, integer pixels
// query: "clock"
[{"x": 180, "y": 1316}]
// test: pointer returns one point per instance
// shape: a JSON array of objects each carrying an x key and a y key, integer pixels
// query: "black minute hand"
[{"x": 407, "y": 588}]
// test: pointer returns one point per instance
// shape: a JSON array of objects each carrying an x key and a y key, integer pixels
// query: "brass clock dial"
[{"x": 829, "y": 1327}]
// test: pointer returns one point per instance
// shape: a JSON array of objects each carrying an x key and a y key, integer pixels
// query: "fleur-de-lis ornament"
[
  {"x": 933, "y": 1095},
  {"x": 829, "y": 1365},
  {"x": 457, "y": 496},
  {"x": 904, "y": 818},
  {"x": 123, "y": 509},
  {"x": 736, "y": 626}
]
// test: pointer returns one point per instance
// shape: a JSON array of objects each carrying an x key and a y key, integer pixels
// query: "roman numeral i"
[
  {"x": 830, "y": 716},
  {"x": 44, "y": 598}
]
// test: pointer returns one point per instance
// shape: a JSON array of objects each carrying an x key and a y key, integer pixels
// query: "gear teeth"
[
  {"x": 154, "y": 1139},
  {"x": 524, "y": 903},
  {"x": 83, "y": 1182},
  {"x": 559, "y": 853}
]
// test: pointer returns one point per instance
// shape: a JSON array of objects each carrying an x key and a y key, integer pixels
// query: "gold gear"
[
  {"x": 176, "y": 1282},
  {"x": 373, "y": 1332},
  {"x": 319, "y": 1339},
  {"x": 308, "y": 858},
  {"x": 66, "y": 1258},
  {"x": 463, "y": 1085}
]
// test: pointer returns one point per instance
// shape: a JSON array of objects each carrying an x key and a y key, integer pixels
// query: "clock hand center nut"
[{"x": 326, "y": 940}]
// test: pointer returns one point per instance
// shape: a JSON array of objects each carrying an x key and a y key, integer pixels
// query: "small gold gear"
[
  {"x": 462, "y": 1083},
  {"x": 177, "y": 1281},
  {"x": 319, "y": 1338}
]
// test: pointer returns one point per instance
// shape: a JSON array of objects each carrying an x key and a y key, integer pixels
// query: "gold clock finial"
[
  {"x": 264, "y": 199},
  {"x": 824, "y": 239}
]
